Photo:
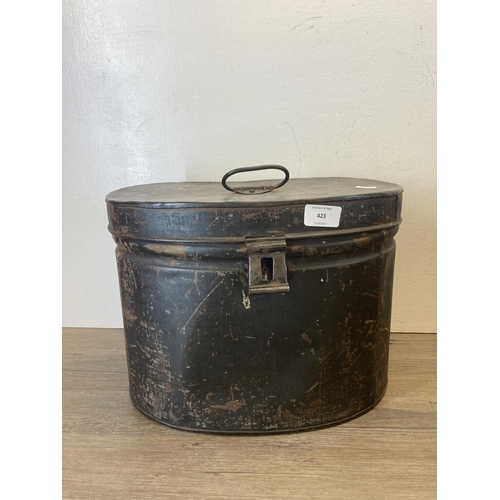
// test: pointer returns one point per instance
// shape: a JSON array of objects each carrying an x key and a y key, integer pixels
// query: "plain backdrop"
[{"x": 165, "y": 91}]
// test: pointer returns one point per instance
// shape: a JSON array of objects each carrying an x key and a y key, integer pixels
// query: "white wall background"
[{"x": 158, "y": 91}]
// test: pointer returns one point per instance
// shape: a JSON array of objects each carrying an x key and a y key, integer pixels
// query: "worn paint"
[{"x": 246, "y": 300}]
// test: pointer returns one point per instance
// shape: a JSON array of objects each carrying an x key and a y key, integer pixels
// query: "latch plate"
[{"x": 267, "y": 271}]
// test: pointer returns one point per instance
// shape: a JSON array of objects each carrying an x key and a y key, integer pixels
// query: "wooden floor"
[{"x": 111, "y": 451}]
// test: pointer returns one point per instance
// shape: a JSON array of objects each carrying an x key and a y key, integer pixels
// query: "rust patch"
[
  {"x": 127, "y": 246},
  {"x": 311, "y": 414},
  {"x": 273, "y": 215},
  {"x": 230, "y": 405},
  {"x": 365, "y": 242},
  {"x": 171, "y": 413},
  {"x": 249, "y": 215},
  {"x": 129, "y": 315},
  {"x": 306, "y": 338}
]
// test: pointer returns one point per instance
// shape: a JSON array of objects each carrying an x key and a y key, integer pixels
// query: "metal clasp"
[{"x": 267, "y": 265}]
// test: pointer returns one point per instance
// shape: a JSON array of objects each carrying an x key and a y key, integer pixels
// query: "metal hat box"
[{"x": 256, "y": 309}]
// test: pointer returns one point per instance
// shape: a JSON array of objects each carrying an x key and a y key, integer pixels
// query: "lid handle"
[{"x": 259, "y": 189}]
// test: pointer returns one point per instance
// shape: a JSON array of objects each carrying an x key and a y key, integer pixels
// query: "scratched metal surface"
[{"x": 203, "y": 354}]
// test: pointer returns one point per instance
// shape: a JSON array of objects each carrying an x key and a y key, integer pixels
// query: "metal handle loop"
[{"x": 255, "y": 190}]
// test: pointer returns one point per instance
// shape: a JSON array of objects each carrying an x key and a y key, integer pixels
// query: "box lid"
[
  {"x": 212, "y": 194},
  {"x": 196, "y": 210}
]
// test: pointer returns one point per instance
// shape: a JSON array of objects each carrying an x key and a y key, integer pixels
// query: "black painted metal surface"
[{"x": 240, "y": 318}]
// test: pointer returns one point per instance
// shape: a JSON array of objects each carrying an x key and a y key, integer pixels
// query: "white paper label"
[{"x": 322, "y": 215}]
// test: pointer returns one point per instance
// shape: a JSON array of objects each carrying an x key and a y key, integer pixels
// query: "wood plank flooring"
[{"x": 112, "y": 451}]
